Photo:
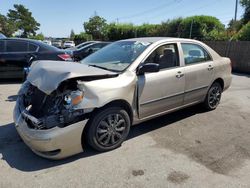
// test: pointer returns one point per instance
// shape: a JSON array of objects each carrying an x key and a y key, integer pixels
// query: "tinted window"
[
  {"x": 194, "y": 54},
  {"x": 32, "y": 47},
  {"x": 16, "y": 46},
  {"x": 166, "y": 56},
  {"x": 1, "y": 46}
]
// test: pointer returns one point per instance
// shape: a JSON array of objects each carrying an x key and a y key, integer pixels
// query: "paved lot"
[{"x": 189, "y": 148}]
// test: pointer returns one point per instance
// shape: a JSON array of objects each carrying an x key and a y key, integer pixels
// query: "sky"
[{"x": 58, "y": 17}]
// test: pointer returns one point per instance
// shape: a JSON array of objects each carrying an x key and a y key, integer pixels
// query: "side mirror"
[{"x": 148, "y": 67}]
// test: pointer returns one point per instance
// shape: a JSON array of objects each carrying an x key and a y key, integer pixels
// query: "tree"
[
  {"x": 23, "y": 20},
  {"x": 246, "y": 15},
  {"x": 72, "y": 34},
  {"x": 199, "y": 27},
  {"x": 244, "y": 33},
  {"x": 82, "y": 37},
  {"x": 6, "y": 27},
  {"x": 39, "y": 36},
  {"x": 234, "y": 25},
  {"x": 120, "y": 31},
  {"x": 170, "y": 28},
  {"x": 96, "y": 27}
]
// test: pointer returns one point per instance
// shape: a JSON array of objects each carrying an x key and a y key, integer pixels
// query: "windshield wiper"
[{"x": 92, "y": 65}]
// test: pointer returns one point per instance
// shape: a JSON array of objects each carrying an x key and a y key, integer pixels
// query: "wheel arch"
[
  {"x": 220, "y": 81},
  {"x": 116, "y": 103}
]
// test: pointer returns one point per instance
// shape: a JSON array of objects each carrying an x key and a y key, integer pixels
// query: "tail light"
[{"x": 65, "y": 57}]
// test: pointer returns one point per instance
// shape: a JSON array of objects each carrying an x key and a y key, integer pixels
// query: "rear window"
[
  {"x": 16, "y": 46},
  {"x": 45, "y": 47},
  {"x": 32, "y": 47}
]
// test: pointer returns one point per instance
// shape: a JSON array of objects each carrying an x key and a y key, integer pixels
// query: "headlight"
[{"x": 76, "y": 97}]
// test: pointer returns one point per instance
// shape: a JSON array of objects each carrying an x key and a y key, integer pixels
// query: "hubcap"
[
  {"x": 110, "y": 130},
  {"x": 214, "y": 97}
]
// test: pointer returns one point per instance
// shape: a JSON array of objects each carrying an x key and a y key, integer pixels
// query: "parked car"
[
  {"x": 85, "y": 51},
  {"x": 57, "y": 43},
  {"x": 81, "y": 45},
  {"x": 62, "y": 106},
  {"x": 48, "y": 42},
  {"x": 2, "y": 36},
  {"x": 68, "y": 44},
  {"x": 16, "y": 55}
]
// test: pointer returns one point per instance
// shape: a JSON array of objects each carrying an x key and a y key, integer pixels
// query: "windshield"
[
  {"x": 116, "y": 56},
  {"x": 83, "y": 44}
]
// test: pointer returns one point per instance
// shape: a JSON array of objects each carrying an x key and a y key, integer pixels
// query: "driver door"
[{"x": 164, "y": 90}]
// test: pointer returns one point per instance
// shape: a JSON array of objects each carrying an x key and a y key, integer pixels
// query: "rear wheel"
[
  {"x": 213, "y": 96},
  {"x": 108, "y": 128}
]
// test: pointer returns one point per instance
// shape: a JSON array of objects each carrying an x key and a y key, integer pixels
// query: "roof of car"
[{"x": 156, "y": 39}]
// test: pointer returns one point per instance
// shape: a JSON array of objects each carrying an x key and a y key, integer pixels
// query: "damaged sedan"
[{"x": 63, "y": 106}]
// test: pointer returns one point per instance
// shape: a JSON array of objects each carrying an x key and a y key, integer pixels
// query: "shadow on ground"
[
  {"x": 12, "y": 98},
  {"x": 19, "y": 156}
]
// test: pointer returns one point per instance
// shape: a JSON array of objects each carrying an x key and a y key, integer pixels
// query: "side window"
[
  {"x": 16, "y": 46},
  {"x": 2, "y": 46},
  {"x": 166, "y": 56},
  {"x": 32, "y": 47},
  {"x": 194, "y": 54}
]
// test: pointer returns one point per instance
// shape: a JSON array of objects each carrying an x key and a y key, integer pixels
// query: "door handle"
[
  {"x": 179, "y": 74},
  {"x": 210, "y": 67}
]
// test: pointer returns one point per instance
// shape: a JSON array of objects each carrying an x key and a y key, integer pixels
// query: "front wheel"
[
  {"x": 108, "y": 128},
  {"x": 213, "y": 96}
]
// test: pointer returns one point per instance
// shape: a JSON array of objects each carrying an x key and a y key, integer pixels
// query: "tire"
[
  {"x": 108, "y": 128},
  {"x": 213, "y": 96}
]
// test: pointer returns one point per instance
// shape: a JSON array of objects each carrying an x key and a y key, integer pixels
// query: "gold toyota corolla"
[{"x": 63, "y": 105}]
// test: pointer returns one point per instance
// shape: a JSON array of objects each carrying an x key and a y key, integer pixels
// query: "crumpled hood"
[{"x": 47, "y": 75}]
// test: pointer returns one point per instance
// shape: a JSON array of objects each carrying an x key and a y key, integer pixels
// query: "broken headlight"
[{"x": 73, "y": 98}]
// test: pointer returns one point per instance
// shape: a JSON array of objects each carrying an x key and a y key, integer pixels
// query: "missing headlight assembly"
[{"x": 61, "y": 108}]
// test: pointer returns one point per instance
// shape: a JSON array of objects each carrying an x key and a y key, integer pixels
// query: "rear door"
[
  {"x": 2, "y": 60},
  {"x": 198, "y": 72},
  {"x": 14, "y": 59},
  {"x": 164, "y": 90}
]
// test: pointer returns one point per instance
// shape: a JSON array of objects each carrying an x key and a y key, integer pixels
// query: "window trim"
[
  {"x": 202, "y": 47},
  {"x": 156, "y": 47}
]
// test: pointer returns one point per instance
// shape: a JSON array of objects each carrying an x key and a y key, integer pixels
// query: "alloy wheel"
[
  {"x": 214, "y": 96},
  {"x": 110, "y": 130}
]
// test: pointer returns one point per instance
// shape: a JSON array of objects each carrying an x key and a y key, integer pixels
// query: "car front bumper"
[{"x": 54, "y": 143}]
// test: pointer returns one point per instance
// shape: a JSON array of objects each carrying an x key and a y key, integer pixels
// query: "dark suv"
[{"x": 16, "y": 55}]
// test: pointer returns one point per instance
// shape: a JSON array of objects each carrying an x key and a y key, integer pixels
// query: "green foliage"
[
  {"x": 246, "y": 15},
  {"x": 146, "y": 30},
  {"x": 39, "y": 36},
  {"x": 235, "y": 25},
  {"x": 120, "y": 31},
  {"x": 244, "y": 33},
  {"x": 200, "y": 27},
  {"x": 82, "y": 37},
  {"x": 22, "y": 18},
  {"x": 170, "y": 28},
  {"x": 96, "y": 27},
  {"x": 6, "y": 26}
]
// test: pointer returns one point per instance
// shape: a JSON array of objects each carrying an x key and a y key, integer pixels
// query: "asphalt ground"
[{"x": 188, "y": 148}]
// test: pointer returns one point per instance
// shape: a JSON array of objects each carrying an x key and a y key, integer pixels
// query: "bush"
[
  {"x": 82, "y": 37},
  {"x": 244, "y": 33}
]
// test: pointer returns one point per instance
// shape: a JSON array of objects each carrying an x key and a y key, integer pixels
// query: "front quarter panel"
[{"x": 98, "y": 93}]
